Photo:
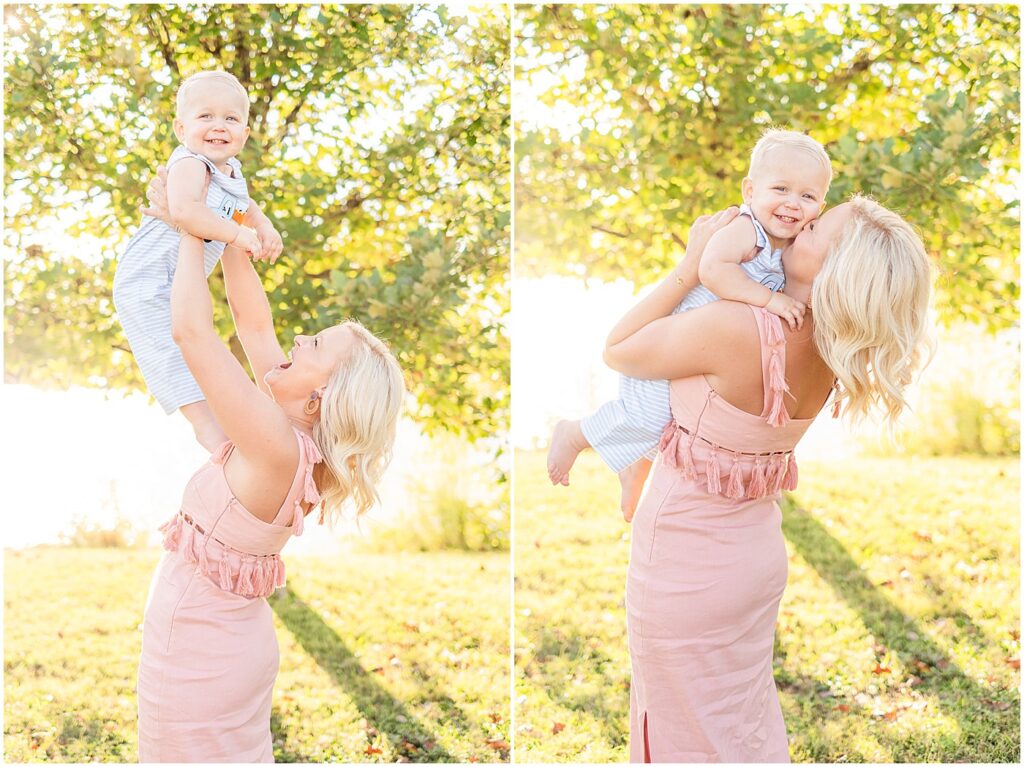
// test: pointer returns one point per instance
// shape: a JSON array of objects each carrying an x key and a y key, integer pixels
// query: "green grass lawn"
[
  {"x": 898, "y": 636},
  {"x": 384, "y": 658}
]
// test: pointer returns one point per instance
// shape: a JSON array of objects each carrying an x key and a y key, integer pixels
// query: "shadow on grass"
[
  {"x": 377, "y": 705},
  {"x": 983, "y": 731}
]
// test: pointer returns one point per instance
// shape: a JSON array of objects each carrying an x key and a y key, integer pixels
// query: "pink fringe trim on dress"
[{"x": 244, "y": 574}]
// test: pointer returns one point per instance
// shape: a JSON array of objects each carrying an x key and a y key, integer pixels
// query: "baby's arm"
[
  {"x": 720, "y": 273},
  {"x": 188, "y": 210},
  {"x": 268, "y": 235}
]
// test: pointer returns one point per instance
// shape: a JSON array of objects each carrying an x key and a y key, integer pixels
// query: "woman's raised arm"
[
  {"x": 250, "y": 310},
  {"x": 667, "y": 295},
  {"x": 250, "y": 419}
]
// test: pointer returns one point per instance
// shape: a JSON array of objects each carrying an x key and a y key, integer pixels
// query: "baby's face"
[
  {"x": 212, "y": 122},
  {"x": 787, "y": 192}
]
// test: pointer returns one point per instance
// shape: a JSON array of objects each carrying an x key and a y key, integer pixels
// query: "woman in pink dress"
[
  {"x": 315, "y": 430},
  {"x": 708, "y": 562}
]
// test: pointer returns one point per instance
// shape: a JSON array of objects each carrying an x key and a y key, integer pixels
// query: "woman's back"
[
  {"x": 808, "y": 378},
  {"x": 732, "y": 430}
]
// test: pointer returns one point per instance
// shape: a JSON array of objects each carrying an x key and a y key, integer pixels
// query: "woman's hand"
[
  {"x": 701, "y": 232},
  {"x": 156, "y": 195}
]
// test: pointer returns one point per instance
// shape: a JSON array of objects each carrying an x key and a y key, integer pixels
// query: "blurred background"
[
  {"x": 631, "y": 121},
  {"x": 380, "y": 148}
]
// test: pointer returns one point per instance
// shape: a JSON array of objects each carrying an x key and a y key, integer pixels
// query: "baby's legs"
[
  {"x": 631, "y": 480},
  {"x": 567, "y": 442},
  {"x": 207, "y": 430}
]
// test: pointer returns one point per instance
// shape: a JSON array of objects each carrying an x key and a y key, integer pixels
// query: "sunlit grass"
[
  {"x": 383, "y": 658},
  {"x": 898, "y": 635}
]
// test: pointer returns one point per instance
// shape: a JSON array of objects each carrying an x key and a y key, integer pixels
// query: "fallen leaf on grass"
[
  {"x": 921, "y": 535},
  {"x": 1015, "y": 635},
  {"x": 498, "y": 745},
  {"x": 557, "y": 727},
  {"x": 843, "y": 707},
  {"x": 411, "y": 627},
  {"x": 495, "y": 717},
  {"x": 942, "y": 664},
  {"x": 890, "y": 715},
  {"x": 377, "y": 670},
  {"x": 996, "y": 705},
  {"x": 1013, "y": 662},
  {"x": 371, "y": 750},
  {"x": 885, "y": 583},
  {"x": 880, "y": 669}
]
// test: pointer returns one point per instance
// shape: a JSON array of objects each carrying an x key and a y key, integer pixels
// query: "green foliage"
[
  {"x": 917, "y": 105},
  {"x": 122, "y": 534},
  {"x": 968, "y": 400},
  {"x": 378, "y": 662},
  {"x": 379, "y": 147},
  {"x": 459, "y": 501},
  {"x": 898, "y": 635},
  {"x": 444, "y": 520}
]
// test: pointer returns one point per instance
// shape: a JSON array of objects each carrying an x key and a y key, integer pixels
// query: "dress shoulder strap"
[
  {"x": 303, "y": 488},
  {"x": 773, "y": 366}
]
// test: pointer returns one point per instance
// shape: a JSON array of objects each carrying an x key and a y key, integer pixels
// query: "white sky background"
[{"x": 81, "y": 454}]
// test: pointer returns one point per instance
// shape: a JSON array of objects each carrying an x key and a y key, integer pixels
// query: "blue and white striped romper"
[
  {"x": 628, "y": 428},
  {"x": 142, "y": 287}
]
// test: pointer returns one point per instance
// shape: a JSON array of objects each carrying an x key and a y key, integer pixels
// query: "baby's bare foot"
[
  {"x": 567, "y": 441},
  {"x": 632, "y": 479}
]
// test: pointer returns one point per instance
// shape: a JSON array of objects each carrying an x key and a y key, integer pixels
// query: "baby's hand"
[
  {"x": 789, "y": 309},
  {"x": 246, "y": 239},
  {"x": 270, "y": 240}
]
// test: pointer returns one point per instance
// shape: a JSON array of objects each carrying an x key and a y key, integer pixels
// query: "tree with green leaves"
[
  {"x": 917, "y": 105},
  {"x": 379, "y": 148}
]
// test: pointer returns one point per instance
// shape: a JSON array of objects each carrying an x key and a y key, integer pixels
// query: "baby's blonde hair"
[
  {"x": 870, "y": 303},
  {"x": 774, "y": 138},
  {"x": 358, "y": 420},
  {"x": 211, "y": 75}
]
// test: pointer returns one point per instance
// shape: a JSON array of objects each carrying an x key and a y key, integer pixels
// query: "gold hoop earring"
[{"x": 312, "y": 404}]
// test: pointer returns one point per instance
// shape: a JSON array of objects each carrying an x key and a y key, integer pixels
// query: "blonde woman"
[
  {"x": 314, "y": 432},
  {"x": 708, "y": 563}
]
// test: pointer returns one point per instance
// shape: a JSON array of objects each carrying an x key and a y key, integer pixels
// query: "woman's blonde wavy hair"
[
  {"x": 870, "y": 301},
  {"x": 359, "y": 412}
]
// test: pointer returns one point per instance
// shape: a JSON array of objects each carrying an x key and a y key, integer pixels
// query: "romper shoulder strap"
[{"x": 773, "y": 366}]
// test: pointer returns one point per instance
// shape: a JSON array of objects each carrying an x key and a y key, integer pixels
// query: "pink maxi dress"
[
  {"x": 707, "y": 570},
  {"x": 209, "y": 651}
]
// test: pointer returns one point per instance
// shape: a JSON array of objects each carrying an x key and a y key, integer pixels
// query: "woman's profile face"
[
  {"x": 803, "y": 260},
  {"x": 312, "y": 361}
]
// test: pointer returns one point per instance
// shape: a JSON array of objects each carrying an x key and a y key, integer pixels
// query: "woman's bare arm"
[
  {"x": 250, "y": 310},
  {"x": 252, "y": 420},
  {"x": 700, "y": 341},
  {"x": 680, "y": 281}
]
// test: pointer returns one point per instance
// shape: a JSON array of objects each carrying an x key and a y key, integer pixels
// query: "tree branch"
[
  {"x": 163, "y": 36},
  {"x": 624, "y": 236}
]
